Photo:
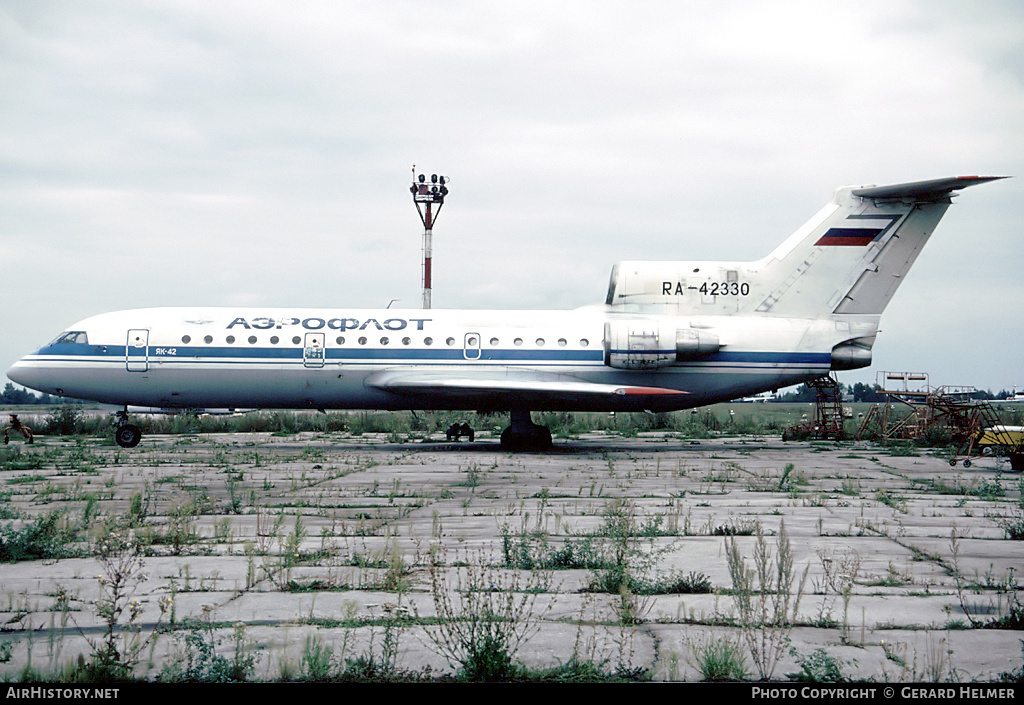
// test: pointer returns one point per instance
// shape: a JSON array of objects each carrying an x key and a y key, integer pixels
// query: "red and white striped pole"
[
  {"x": 428, "y": 254},
  {"x": 425, "y": 194}
]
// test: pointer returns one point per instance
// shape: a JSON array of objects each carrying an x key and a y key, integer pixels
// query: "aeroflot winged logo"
[
  {"x": 314, "y": 323},
  {"x": 858, "y": 234}
]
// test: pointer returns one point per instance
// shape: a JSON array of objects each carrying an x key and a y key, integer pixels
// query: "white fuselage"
[{"x": 328, "y": 359}]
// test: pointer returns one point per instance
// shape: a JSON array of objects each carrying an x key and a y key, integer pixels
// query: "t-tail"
[
  {"x": 843, "y": 265},
  {"x": 853, "y": 255}
]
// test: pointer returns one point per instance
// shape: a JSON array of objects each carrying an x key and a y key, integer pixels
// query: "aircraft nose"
[{"x": 24, "y": 374}]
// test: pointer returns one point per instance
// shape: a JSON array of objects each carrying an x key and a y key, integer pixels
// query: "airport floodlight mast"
[{"x": 425, "y": 194}]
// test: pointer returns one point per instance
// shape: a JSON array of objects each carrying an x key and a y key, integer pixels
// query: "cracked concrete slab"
[{"x": 879, "y": 535}]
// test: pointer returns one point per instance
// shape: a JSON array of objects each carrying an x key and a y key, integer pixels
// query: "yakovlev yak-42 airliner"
[{"x": 671, "y": 335}]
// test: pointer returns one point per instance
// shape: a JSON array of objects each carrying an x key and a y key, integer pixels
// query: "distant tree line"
[
  {"x": 12, "y": 396},
  {"x": 872, "y": 393},
  {"x": 859, "y": 392}
]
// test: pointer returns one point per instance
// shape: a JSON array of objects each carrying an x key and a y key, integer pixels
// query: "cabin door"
[
  {"x": 313, "y": 353},
  {"x": 136, "y": 355},
  {"x": 471, "y": 346}
]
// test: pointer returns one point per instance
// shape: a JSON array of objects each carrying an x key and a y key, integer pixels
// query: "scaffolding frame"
[
  {"x": 952, "y": 408},
  {"x": 828, "y": 413}
]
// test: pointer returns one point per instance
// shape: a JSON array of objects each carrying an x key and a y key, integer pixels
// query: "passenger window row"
[{"x": 341, "y": 340}]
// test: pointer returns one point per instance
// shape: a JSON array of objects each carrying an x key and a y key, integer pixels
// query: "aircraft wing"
[{"x": 491, "y": 387}]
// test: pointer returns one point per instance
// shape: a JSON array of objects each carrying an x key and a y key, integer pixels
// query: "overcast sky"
[{"x": 176, "y": 152}]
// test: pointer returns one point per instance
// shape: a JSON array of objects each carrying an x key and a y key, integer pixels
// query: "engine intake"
[{"x": 650, "y": 344}]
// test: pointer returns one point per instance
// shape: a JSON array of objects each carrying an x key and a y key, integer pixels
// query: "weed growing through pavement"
[
  {"x": 1012, "y": 523},
  {"x": 622, "y": 556},
  {"x": 117, "y": 653},
  {"x": 1007, "y": 591},
  {"x": 819, "y": 666},
  {"x": 932, "y": 663},
  {"x": 718, "y": 658},
  {"x": 764, "y": 598},
  {"x": 198, "y": 660},
  {"x": 839, "y": 573},
  {"x": 484, "y": 615}
]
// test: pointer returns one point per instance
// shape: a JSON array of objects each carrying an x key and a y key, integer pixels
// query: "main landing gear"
[
  {"x": 458, "y": 430},
  {"x": 126, "y": 435},
  {"x": 524, "y": 435}
]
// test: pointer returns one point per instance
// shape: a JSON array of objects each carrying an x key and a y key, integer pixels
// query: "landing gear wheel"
[
  {"x": 1017, "y": 462},
  {"x": 515, "y": 440},
  {"x": 127, "y": 435},
  {"x": 457, "y": 430},
  {"x": 967, "y": 462},
  {"x": 524, "y": 435}
]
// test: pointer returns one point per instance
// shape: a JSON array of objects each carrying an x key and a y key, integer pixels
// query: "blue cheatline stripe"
[
  {"x": 776, "y": 357},
  {"x": 250, "y": 356},
  {"x": 792, "y": 358},
  {"x": 159, "y": 353}
]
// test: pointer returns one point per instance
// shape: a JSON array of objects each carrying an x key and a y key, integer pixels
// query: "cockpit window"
[{"x": 72, "y": 337}]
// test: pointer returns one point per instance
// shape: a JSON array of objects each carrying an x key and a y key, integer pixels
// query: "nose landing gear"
[{"x": 126, "y": 435}]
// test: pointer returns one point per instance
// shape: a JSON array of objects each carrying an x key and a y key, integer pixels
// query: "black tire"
[
  {"x": 1017, "y": 462},
  {"x": 535, "y": 439},
  {"x": 127, "y": 436}
]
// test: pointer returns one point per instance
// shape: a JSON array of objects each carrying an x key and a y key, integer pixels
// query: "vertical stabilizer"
[
  {"x": 848, "y": 259},
  {"x": 853, "y": 256}
]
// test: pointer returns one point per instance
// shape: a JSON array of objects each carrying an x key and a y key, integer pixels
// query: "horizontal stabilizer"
[{"x": 936, "y": 189}]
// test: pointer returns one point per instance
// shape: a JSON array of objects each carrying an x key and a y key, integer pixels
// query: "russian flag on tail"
[{"x": 848, "y": 237}]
